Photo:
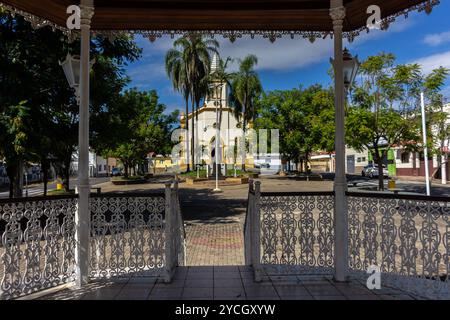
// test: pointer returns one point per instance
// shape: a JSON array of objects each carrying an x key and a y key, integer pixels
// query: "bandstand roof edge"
[{"x": 232, "y": 19}]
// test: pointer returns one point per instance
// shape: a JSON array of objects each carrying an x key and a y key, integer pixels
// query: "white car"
[{"x": 372, "y": 171}]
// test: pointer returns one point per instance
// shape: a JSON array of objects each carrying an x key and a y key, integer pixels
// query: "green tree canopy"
[
  {"x": 385, "y": 108},
  {"x": 30, "y": 72},
  {"x": 305, "y": 118},
  {"x": 140, "y": 127}
]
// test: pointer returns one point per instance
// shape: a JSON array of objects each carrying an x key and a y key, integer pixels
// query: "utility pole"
[{"x": 425, "y": 146}]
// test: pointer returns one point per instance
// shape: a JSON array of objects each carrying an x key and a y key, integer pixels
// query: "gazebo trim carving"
[{"x": 272, "y": 29}]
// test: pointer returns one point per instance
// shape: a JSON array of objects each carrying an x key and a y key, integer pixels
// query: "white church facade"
[{"x": 216, "y": 109}]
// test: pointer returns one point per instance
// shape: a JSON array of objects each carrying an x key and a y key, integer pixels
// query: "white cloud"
[
  {"x": 287, "y": 54},
  {"x": 158, "y": 47},
  {"x": 437, "y": 38},
  {"x": 142, "y": 74},
  {"x": 283, "y": 55},
  {"x": 374, "y": 35},
  {"x": 434, "y": 61}
]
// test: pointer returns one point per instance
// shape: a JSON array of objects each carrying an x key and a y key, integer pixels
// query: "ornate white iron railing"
[
  {"x": 407, "y": 237},
  {"x": 127, "y": 234},
  {"x": 136, "y": 233},
  {"x": 294, "y": 232},
  {"x": 140, "y": 234},
  {"x": 38, "y": 244}
]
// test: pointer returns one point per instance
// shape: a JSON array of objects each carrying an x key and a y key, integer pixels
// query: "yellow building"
[{"x": 161, "y": 164}]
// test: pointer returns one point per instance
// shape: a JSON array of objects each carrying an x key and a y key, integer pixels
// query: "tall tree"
[
  {"x": 176, "y": 70},
  {"x": 140, "y": 128},
  {"x": 15, "y": 136},
  {"x": 437, "y": 118},
  {"x": 384, "y": 108},
  {"x": 188, "y": 65},
  {"x": 30, "y": 71},
  {"x": 247, "y": 89},
  {"x": 304, "y": 117}
]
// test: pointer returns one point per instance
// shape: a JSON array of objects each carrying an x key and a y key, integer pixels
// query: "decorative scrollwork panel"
[
  {"x": 296, "y": 232},
  {"x": 38, "y": 248},
  {"x": 407, "y": 238},
  {"x": 127, "y": 236}
]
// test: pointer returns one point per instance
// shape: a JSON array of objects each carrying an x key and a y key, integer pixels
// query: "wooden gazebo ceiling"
[{"x": 266, "y": 15}]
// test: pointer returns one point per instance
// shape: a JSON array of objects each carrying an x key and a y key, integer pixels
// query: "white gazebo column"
[
  {"x": 337, "y": 13},
  {"x": 82, "y": 218}
]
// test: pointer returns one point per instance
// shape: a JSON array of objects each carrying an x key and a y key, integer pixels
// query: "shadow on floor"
[{"x": 227, "y": 283}]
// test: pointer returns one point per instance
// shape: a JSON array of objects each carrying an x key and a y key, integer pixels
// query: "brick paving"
[
  {"x": 227, "y": 283},
  {"x": 211, "y": 244}
]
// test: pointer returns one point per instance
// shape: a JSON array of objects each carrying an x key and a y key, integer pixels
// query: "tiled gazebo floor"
[{"x": 226, "y": 283}]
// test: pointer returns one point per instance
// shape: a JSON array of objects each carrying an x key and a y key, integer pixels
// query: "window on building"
[
  {"x": 363, "y": 159},
  {"x": 359, "y": 160},
  {"x": 405, "y": 157}
]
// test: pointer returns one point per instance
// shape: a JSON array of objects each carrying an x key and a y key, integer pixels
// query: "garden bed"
[
  {"x": 305, "y": 177},
  {"x": 191, "y": 181},
  {"x": 238, "y": 180}
]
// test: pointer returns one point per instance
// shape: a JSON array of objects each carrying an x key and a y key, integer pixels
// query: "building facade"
[
  {"x": 98, "y": 166},
  {"x": 205, "y": 127}
]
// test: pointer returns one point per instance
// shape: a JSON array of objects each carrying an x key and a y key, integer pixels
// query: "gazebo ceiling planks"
[{"x": 214, "y": 15}]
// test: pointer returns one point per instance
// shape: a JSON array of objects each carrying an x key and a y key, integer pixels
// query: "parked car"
[
  {"x": 372, "y": 171},
  {"x": 115, "y": 172},
  {"x": 262, "y": 166}
]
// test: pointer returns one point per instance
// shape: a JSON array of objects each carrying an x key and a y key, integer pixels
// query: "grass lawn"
[
  {"x": 193, "y": 174},
  {"x": 60, "y": 192},
  {"x": 202, "y": 174}
]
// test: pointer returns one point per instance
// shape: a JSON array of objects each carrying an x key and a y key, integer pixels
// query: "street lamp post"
[
  {"x": 71, "y": 67},
  {"x": 77, "y": 71},
  {"x": 217, "y": 97},
  {"x": 351, "y": 68}
]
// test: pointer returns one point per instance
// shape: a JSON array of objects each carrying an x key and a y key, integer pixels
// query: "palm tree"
[
  {"x": 176, "y": 70},
  {"x": 188, "y": 65},
  {"x": 247, "y": 89}
]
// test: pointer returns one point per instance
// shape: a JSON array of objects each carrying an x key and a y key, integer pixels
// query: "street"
[
  {"x": 357, "y": 183},
  {"x": 36, "y": 190}
]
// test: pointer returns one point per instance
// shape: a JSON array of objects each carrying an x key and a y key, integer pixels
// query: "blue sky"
[{"x": 288, "y": 63}]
